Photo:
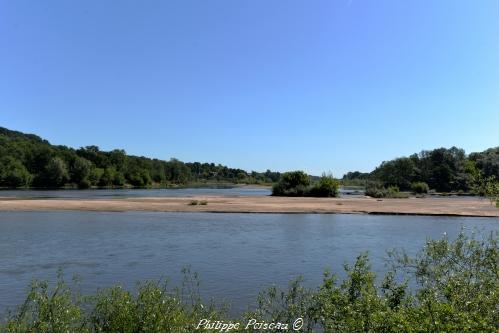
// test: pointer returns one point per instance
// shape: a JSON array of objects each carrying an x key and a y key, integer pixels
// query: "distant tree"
[
  {"x": 107, "y": 177},
  {"x": 95, "y": 176},
  {"x": 326, "y": 187},
  {"x": 293, "y": 183},
  {"x": 56, "y": 172},
  {"x": 356, "y": 175},
  {"x": 80, "y": 172},
  {"x": 420, "y": 187},
  {"x": 399, "y": 172},
  {"x": 13, "y": 173},
  {"x": 487, "y": 162},
  {"x": 177, "y": 172}
]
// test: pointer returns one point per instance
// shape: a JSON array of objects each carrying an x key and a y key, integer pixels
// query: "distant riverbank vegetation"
[
  {"x": 449, "y": 286},
  {"x": 439, "y": 170},
  {"x": 299, "y": 184},
  {"x": 26, "y": 160}
]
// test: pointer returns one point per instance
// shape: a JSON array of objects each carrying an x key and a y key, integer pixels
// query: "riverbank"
[{"x": 265, "y": 204}]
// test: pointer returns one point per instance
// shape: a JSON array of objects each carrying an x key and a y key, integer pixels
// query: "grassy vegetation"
[
  {"x": 377, "y": 190},
  {"x": 457, "y": 290}
]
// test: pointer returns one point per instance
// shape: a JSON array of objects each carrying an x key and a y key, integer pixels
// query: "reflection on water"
[{"x": 236, "y": 255}]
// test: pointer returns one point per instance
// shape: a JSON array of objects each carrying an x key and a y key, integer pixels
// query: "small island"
[{"x": 407, "y": 185}]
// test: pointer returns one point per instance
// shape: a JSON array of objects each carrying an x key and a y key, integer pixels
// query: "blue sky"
[{"x": 313, "y": 85}]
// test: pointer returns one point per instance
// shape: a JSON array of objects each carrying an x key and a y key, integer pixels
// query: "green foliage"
[
  {"x": 27, "y": 160},
  {"x": 486, "y": 186},
  {"x": 13, "y": 173},
  {"x": 355, "y": 178},
  {"x": 56, "y": 172},
  {"x": 80, "y": 172},
  {"x": 298, "y": 184},
  {"x": 419, "y": 187},
  {"x": 377, "y": 190},
  {"x": 47, "y": 310},
  {"x": 487, "y": 162},
  {"x": 293, "y": 183},
  {"x": 326, "y": 187},
  {"x": 457, "y": 290},
  {"x": 444, "y": 170}
]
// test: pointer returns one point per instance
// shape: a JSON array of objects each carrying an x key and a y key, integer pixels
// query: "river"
[{"x": 236, "y": 255}]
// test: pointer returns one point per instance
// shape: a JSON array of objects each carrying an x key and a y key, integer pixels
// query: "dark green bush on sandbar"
[{"x": 298, "y": 184}]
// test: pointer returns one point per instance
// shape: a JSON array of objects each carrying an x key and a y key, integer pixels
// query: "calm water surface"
[
  {"x": 136, "y": 193},
  {"x": 236, "y": 255},
  {"x": 145, "y": 193}
]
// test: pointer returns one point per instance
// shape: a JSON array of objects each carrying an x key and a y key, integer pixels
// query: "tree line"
[
  {"x": 442, "y": 170},
  {"x": 27, "y": 160}
]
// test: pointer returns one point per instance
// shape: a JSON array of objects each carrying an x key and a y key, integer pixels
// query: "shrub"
[
  {"x": 13, "y": 173},
  {"x": 376, "y": 190},
  {"x": 56, "y": 172},
  {"x": 293, "y": 183},
  {"x": 327, "y": 187},
  {"x": 297, "y": 184},
  {"x": 420, "y": 187}
]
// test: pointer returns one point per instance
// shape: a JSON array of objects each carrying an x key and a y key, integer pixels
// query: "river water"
[{"x": 236, "y": 255}]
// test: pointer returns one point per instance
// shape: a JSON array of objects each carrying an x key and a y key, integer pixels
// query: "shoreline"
[{"x": 263, "y": 205}]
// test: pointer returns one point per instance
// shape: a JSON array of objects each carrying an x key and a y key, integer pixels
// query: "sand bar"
[{"x": 224, "y": 204}]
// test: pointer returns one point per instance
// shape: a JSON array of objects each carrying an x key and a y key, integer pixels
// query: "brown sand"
[{"x": 224, "y": 204}]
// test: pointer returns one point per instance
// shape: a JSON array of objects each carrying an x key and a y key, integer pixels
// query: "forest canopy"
[
  {"x": 27, "y": 160},
  {"x": 442, "y": 170}
]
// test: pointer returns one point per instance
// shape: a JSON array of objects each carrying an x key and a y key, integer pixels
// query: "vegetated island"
[{"x": 27, "y": 161}]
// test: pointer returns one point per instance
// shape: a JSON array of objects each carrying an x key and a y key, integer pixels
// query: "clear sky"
[{"x": 313, "y": 85}]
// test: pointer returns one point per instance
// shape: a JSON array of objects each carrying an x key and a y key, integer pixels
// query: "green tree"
[
  {"x": 294, "y": 183},
  {"x": 326, "y": 187},
  {"x": 80, "y": 172},
  {"x": 56, "y": 172},
  {"x": 13, "y": 173}
]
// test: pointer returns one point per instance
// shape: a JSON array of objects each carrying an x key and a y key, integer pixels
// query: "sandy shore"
[{"x": 219, "y": 204}]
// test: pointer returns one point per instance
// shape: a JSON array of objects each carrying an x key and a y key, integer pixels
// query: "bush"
[
  {"x": 13, "y": 173},
  {"x": 293, "y": 183},
  {"x": 420, "y": 187},
  {"x": 327, "y": 187},
  {"x": 297, "y": 184},
  {"x": 376, "y": 190},
  {"x": 56, "y": 173}
]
